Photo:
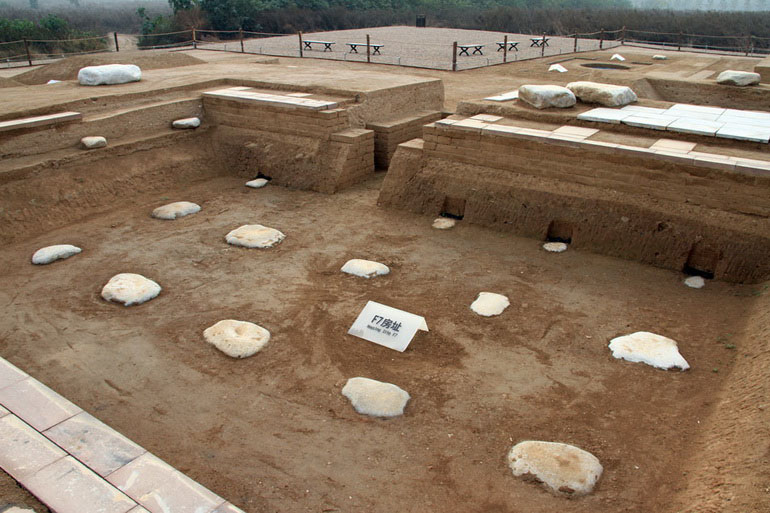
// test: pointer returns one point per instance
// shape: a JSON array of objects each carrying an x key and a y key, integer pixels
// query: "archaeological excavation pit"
[{"x": 360, "y": 163}]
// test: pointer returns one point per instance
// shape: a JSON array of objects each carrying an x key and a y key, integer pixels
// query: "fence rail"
[{"x": 447, "y": 56}]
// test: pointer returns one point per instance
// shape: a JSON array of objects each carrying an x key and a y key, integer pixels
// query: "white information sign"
[{"x": 387, "y": 326}]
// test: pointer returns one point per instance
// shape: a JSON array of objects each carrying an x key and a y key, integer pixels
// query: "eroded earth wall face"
[{"x": 656, "y": 212}]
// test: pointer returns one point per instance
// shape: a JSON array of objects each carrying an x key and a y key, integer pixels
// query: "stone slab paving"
[
  {"x": 74, "y": 463},
  {"x": 50, "y": 119}
]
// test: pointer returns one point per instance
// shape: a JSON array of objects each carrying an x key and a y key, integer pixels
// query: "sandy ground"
[{"x": 273, "y": 433}]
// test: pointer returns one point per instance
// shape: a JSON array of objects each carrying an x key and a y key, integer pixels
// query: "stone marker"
[
  {"x": 617, "y": 57},
  {"x": 238, "y": 339},
  {"x": 695, "y": 282},
  {"x": 365, "y": 268},
  {"x": 187, "y": 123},
  {"x": 738, "y": 78},
  {"x": 557, "y": 67},
  {"x": 555, "y": 247},
  {"x": 176, "y": 210},
  {"x": 92, "y": 142},
  {"x": 109, "y": 74},
  {"x": 254, "y": 236},
  {"x": 489, "y": 304},
  {"x": 660, "y": 57},
  {"x": 561, "y": 468},
  {"x": 130, "y": 289},
  {"x": 53, "y": 81},
  {"x": 257, "y": 184},
  {"x": 649, "y": 348},
  {"x": 544, "y": 96},
  {"x": 608, "y": 95},
  {"x": 444, "y": 223},
  {"x": 375, "y": 398},
  {"x": 49, "y": 254}
]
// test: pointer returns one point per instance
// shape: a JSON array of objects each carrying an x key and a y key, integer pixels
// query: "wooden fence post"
[
  {"x": 542, "y": 46},
  {"x": 115, "y": 35},
  {"x": 623, "y": 35},
  {"x": 26, "y": 48},
  {"x": 505, "y": 48},
  {"x": 454, "y": 56},
  {"x": 240, "y": 34},
  {"x": 681, "y": 39},
  {"x": 299, "y": 34},
  {"x": 748, "y": 45},
  {"x": 195, "y": 42},
  {"x": 601, "y": 39},
  {"x": 368, "y": 50},
  {"x": 574, "y": 47}
]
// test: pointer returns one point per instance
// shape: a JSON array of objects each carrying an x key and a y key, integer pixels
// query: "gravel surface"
[{"x": 409, "y": 46}]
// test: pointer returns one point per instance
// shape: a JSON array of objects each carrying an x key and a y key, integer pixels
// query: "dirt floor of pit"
[{"x": 273, "y": 433}]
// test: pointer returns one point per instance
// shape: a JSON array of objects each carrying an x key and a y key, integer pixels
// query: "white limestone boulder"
[
  {"x": 617, "y": 57},
  {"x": 545, "y": 96},
  {"x": 557, "y": 67},
  {"x": 555, "y": 247},
  {"x": 738, "y": 78},
  {"x": 93, "y": 141},
  {"x": 444, "y": 223},
  {"x": 50, "y": 254},
  {"x": 238, "y": 339},
  {"x": 257, "y": 183},
  {"x": 608, "y": 95},
  {"x": 695, "y": 282},
  {"x": 365, "y": 268},
  {"x": 109, "y": 74},
  {"x": 659, "y": 57},
  {"x": 130, "y": 289},
  {"x": 176, "y": 210},
  {"x": 375, "y": 398},
  {"x": 254, "y": 236},
  {"x": 655, "y": 350},
  {"x": 186, "y": 123},
  {"x": 489, "y": 304},
  {"x": 563, "y": 469}
]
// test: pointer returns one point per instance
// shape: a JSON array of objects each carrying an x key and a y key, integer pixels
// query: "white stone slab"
[
  {"x": 489, "y": 304},
  {"x": 698, "y": 108},
  {"x": 254, "y": 236},
  {"x": 659, "y": 57},
  {"x": 645, "y": 347},
  {"x": 557, "y": 67},
  {"x": 563, "y": 469},
  {"x": 92, "y": 142},
  {"x": 617, "y": 57},
  {"x": 36, "y": 404},
  {"x": 575, "y": 131},
  {"x": 109, "y": 74},
  {"x": 639, "y": 110},
  {"x": 604, "y": 115},
  {"x": 659, "y": 122},
  {"x": 488, "y": 118},
  {"x": 176, "y": 210},
  {"x": 257, "y": 183},
  {"x": 737, "y": 120},
  {"x": 375, "y": 398},
  {"x": 24, "y": 451},
  {"x": 443, "y": 223},
  {"x": 555, "y": 247},
  {"x": 692, "y": 114},
  {"x": 695, "y": 126},
  {"x": 744, "y": 133},
  {"x": 695, "y": 282},
  {"x": 130, "y": 289},
  {"x": 238, "y": 339},
  {"x": 50, "y": 254},
  {"x": 365, "y": 268},
  {"x": 505, "y": 97},
  {"x": 755, "y": 114},
  {"x": 546, "y": 96},
  {"x": 186, "y": 123},
  {"x": 673, "y": 145}
]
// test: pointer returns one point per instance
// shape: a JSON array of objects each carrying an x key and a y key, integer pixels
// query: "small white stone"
[
  {"x": 92, "y": 142},
  {"x": 365, "y": 268},
  {"x": 176, "y": 210},
  {"x": 254, "y": 236},
  {"x": 238, "y": 339},
  {"x": 660, "y": 57},
  {"x": 49, "y": 254},
  {"x": 557, "y": 67},
  {"x": 130, "y": 289},
  {"x": 555, "y": 247},
  {"x": 695, "y": 282},
  {"x": 186, "y": 123},
  {"x": 738, "y": 78},
  {"x": 257, "y": 184},
  {"x": 617, "y": 57},
  {"x": 655, "y": 350},
  {"x": 444, "y": 223},
  {"x": 375, "y": 398},
  {"x": 17, "y": 509},
  {"x": 489, "y": 304},
  {"x": 52, "y": 81},
  {"x": 563, "y": 469}
]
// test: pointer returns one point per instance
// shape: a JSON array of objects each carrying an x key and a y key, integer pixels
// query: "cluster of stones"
[{"x": 548, "y": 96}]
